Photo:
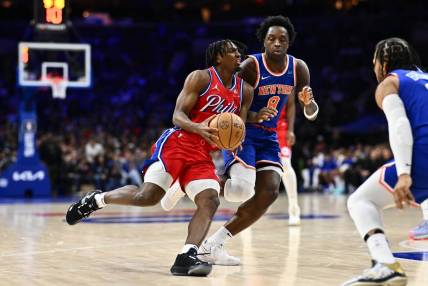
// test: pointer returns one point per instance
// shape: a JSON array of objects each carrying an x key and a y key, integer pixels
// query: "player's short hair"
[
  {"x": 220, "y": 48},
  {"x": 396, "y": 53},
  {"x": 276, "y": 21}
]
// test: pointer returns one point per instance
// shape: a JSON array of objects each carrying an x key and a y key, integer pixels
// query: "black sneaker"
[
  {"x": 83, "y": 208},
  {"x": 188, "y": 264}
]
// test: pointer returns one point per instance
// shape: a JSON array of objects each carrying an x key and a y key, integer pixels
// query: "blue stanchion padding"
[{"x": 28, "y": 176}]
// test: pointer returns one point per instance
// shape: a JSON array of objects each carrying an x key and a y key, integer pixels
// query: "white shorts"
[
  {"x": 272, "y": 168},
  {"x": 195, "y": 187},
  {"x": 157, "y": 175}
]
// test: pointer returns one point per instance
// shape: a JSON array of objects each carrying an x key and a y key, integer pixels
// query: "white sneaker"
[
  {"x": 172, "y": 197},
  {"x": 380, "y": 274},
  {"x": 294, "y": 215},
  {"x": 216, "y": 254}
]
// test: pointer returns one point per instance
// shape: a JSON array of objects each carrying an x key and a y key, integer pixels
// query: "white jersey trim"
[
  {"x": 209, "y": 85},
  {"x": 219, "y": 78},
  {"x": 273, "y": 73}
]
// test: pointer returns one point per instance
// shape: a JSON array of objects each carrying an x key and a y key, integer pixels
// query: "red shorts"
[{"x": 185, "y": 156}]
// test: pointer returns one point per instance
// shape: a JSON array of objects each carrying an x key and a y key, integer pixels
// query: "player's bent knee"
[
  {"x": 212, "y": 202},
  {"x": 351, "y": 202},
  {"x": 240, "y": 186},
  {"x": 267, "y": 196},
  {"x": 204, "y": 187},
  {"x": 272, "y": 188},
  {"x": 357, "y": 203},
  {"x": 207, "y": 199},
  {"x": 273, "y": 194},
  {"x": 238, "y": 190}
]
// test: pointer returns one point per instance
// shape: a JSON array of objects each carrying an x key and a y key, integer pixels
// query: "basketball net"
[{"x": 59, "y": 86}]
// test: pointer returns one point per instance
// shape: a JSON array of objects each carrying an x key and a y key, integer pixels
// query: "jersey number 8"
[{"x": 273, "y": 102}]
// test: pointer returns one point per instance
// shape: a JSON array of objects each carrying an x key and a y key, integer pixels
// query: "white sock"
[
  {"x": 99, "y": 199},
  {"x": 379, "y": 248},
  {"x": 290, "y": 182},
  {"x": 424, "y": 206},
  {"x": 220, "y": 236},
  {"x": 187, "y": 247}
]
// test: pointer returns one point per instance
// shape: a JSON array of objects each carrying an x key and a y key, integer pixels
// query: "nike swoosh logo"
[{"x": 265, "y": 77}]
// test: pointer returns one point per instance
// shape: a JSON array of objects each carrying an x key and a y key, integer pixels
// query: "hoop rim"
[{"x": 58, "y": 85}]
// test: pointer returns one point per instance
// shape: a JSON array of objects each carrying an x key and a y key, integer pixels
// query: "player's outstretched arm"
[
  {"x": 196, "y": 82},
  {"x": 304, "y": 91},
  {"x": 400, "y": 137}
]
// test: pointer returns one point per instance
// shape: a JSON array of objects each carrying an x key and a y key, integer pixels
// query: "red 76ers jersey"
[{"x": 217, "y": 98}]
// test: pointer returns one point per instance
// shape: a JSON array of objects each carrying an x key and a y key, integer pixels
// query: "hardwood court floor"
[{"x": 136, "y": 246}]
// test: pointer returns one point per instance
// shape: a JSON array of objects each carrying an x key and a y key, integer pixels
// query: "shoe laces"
[
  {"x": 87, "y": 206},
  {"x": 194, "y": 256},
  {"x": 212, "y": 249},
  {"x": 219, "y": 250},
  {"x": 378, "y": 271}
]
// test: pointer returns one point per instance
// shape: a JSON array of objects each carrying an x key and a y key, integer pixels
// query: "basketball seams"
[
  {"x": 219, "y": 135},
  {"x": 228, "y": 125},
  {"x": 234, "y": 130},
  {"x": 231, "y": 129}
]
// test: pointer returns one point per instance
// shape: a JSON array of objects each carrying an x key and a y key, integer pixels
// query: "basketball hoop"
[
  {"x": 57, "y": 65},
  {"x": 59, "y": 86}
]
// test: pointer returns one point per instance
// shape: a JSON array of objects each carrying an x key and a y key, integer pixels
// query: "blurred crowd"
[
  {"x": 82, "y": 160},
  {"x": 341, "y": 170}
]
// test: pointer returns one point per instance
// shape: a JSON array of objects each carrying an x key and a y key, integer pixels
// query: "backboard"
[{"x": 59, "y": 65}]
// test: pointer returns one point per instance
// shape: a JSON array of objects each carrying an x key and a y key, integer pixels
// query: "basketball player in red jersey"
[
  {"x": 183, "y": 153},
  {"x": 286, "y": 140}
]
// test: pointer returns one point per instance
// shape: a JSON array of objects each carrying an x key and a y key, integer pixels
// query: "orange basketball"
[{"x": 231, "y": 130}]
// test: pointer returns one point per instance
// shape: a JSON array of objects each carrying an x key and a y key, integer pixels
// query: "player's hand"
[
  {"x": 402, "y": 194},
  {"x": 290, "y": 138},
  {"x": 210, "y": 134},
  {"x": 236, "y": 150},
  {"x": 306, "y": 96},
  {"x": 266, "y": 113}
]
